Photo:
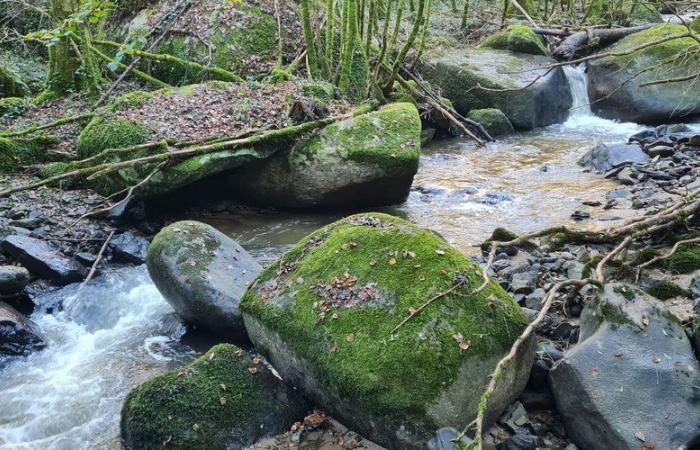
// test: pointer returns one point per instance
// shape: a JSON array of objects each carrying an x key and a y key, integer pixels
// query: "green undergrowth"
[{"x": 399, "y": 267}]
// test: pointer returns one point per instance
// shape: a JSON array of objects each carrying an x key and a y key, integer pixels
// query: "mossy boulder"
[
  {"x": 695, "y": 24},
  {"x": 493, "y": 120},
  {"x": 329, "y": 316},
  {"x": 616, "y": 85},
  {"x": 240, "y": 36},
  {"x": 225, "y": 399},
  {"x": 11, "y": 85},
  {"x": 18, "y": 152},
  {"x": 105, "y": 132},
  {"x": 458, "y": 73},
  {"x": 367, "y": 160},
  {"x": 516, "y": 38},
  {"x": 203, "y": 274},
  {"x": 11, "y": 106}
]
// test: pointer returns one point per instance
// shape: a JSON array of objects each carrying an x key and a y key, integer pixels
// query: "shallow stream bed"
[{"x": 118, "y": 331}]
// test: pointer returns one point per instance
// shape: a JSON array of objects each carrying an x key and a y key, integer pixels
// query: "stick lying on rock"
[{"x": 583, "y": 42}]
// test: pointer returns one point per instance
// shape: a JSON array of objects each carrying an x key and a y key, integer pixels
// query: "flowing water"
[{"x": 118, "y": 330}]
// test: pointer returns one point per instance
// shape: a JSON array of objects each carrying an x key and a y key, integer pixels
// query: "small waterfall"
[{"x": 578, "y": 84}]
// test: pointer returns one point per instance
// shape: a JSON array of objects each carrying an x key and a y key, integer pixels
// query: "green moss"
[
  {"x": 214, "y": 403},
  {"x": 493, "y": 120},
  {"x": 107, "y": 132},
  {"x": 516, "y": 38},
  {"x": 663, "y": 290},
  {"x": 18, "y": 152},
  {"x": 685, "y": 260},
  {"x": 398, "y": 267},
  {"x": 321, "y": 91},
  {"x": 134, "y": 99},
  {"x": 646, "y": 254},
  {"x": 388, "y": 138},
  {"x": 695, "y": 24},
  {"x": 660, "y": 51},
  {"x": 500, "y": 235},
  {"x": 11, "y": 85},
  {"x": 11, "y": 106}
]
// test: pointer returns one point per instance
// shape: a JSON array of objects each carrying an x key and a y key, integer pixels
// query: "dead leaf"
[
  {"x": 253, "y": 370},
  {"x": 392, "y": 261},
  {"x": 195, "y": 427},
  {"x": 222, "y": 400},
  {"x": 640, "y": 436},
  {"x": 256, "y": 360},
  {"x": 350, "y": 337},
  {"x": 440, "y": 252},
  {"x": 211, "y": 356},
  {"x": 334, "y": 348},
  {"x": 412, "y": 311}
]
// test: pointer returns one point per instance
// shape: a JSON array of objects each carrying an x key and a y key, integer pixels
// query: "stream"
[{"x": 118, "y": 331}]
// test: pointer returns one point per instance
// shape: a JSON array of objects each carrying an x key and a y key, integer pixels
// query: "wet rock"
[
  {"x": 129, "y": 248},
  {"x": 457, "y": 72},
  {"x": 523, "y": 283},
  {"x": 662, "y": 150},
  {"x": 615, "y": 84},
  {"x": 13, "y": 279},
  {"x": 627, "y": 176},
  {"x": 43, "y": 259},
  {"x": 203, "y": 274},
  {"x": 534, "y": 300},
  {"x": 493, "y": 120},
  {"x": 604, "y": 157},
  {"x": 368, "y": 160},
  {"x": 18, "y": 335},
  {"x": 226, "y": 399},
  {"x": 446, "y": 439},
  {"x": 519, "y": 441},
  {"x": 333, "y": 302},
  {"x": 695, "y": 288},
  {"x": 580, "y": 215},
  {"x": 631, "y": 379}
]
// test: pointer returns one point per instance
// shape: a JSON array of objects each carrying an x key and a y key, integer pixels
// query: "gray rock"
[
  {"x": 43, "y": 259},
  {"x": 129, "y": 248},
  {"x": 574, "y": 270},
  {"x": 203, "y": 274},
  {"x": 523, "y": 283},
  {"x": 631, "y": 379},
  {"x": 604, "y": 157},
  {"x": 18, "y": 335},
  {"x": 457, "y": 72},
  {"x": 13, "y": 279},
  {"x": 368, "y": 160},
  {"x": 534, "y": 300},
  {"x": 660, "y": 150},
  {"x": 445, "y": 438},
  {"x": 695, "y": 287}
]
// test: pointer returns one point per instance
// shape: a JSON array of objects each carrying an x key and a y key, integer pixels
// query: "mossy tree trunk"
[{"x": 71, "y": 64}]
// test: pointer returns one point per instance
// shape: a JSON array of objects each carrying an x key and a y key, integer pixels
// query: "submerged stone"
[
  {"x": 224, "y": 400},
  {"x": 328, "y": 316}
]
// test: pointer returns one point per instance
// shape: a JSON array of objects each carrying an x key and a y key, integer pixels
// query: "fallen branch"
[
  {"x": 97, "y": 261},
  {"x": 56, "y": 123},
  {"x": 589, "y": 40}
]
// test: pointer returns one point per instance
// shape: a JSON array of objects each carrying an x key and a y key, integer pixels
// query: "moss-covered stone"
[
  {"x": 664, "y": 290},
  {"x": 105, "y": 132},
  {"x": 11, "y": 106},
  {"x": 493, "y": 120},
  {"x": 223, "y": 400},
  {"x": 327, "y": 313},
  {"x": 11, "y": 85},
  {"x": 18, "y": 152},
  {"x": 685, "y": 260},
  {"x": 695, "y": 24},
  {"x": 486, "y": 78},
  {"x": 617, "y": 84},
  {"x": 516, "y": 38},
  {"x": 366, "y": 160}
]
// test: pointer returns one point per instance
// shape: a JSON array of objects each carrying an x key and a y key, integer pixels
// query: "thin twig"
[
  {"x": 440, "y": 295},
  {"x": 97, "y": 261}
]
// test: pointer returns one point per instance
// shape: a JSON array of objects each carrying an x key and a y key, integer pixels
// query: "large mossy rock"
[
  {"x": 516, "y": 38},
  {"x": 105, "y": 132},
  {"x": 631, "y": 382},
  {"x": 18, "y": 152},
  {"x": 11, "y": 85},
  {"x": 224, "y": 400},
  {"x": 493, "y": 120},
  {"x": 616, "y": 84},
  {"x": 326, "y": 314},
  {"x": 367, "y": 160},
  {"x": 203, "y": 274},
  {"x": 458, "y": 73},
  {"x": 240, "y": 36}
]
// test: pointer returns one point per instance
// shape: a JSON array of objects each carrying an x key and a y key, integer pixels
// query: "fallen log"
[{"x": 584, "y": 42}]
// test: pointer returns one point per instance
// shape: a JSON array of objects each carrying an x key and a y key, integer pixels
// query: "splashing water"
[{"x": 114, "y": 334}]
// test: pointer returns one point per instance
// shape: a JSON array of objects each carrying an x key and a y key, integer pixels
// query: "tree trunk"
[{"x": 71, "y": 64}]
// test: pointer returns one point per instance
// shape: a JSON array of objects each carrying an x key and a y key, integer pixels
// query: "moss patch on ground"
[
  {"x": 516, "y": 38},
  {"x": 685, "y": 260},
  {"x": 18, "y": 152},
  {"x": 224, "y": 399},
  {"x": 338, "y": 294}
]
